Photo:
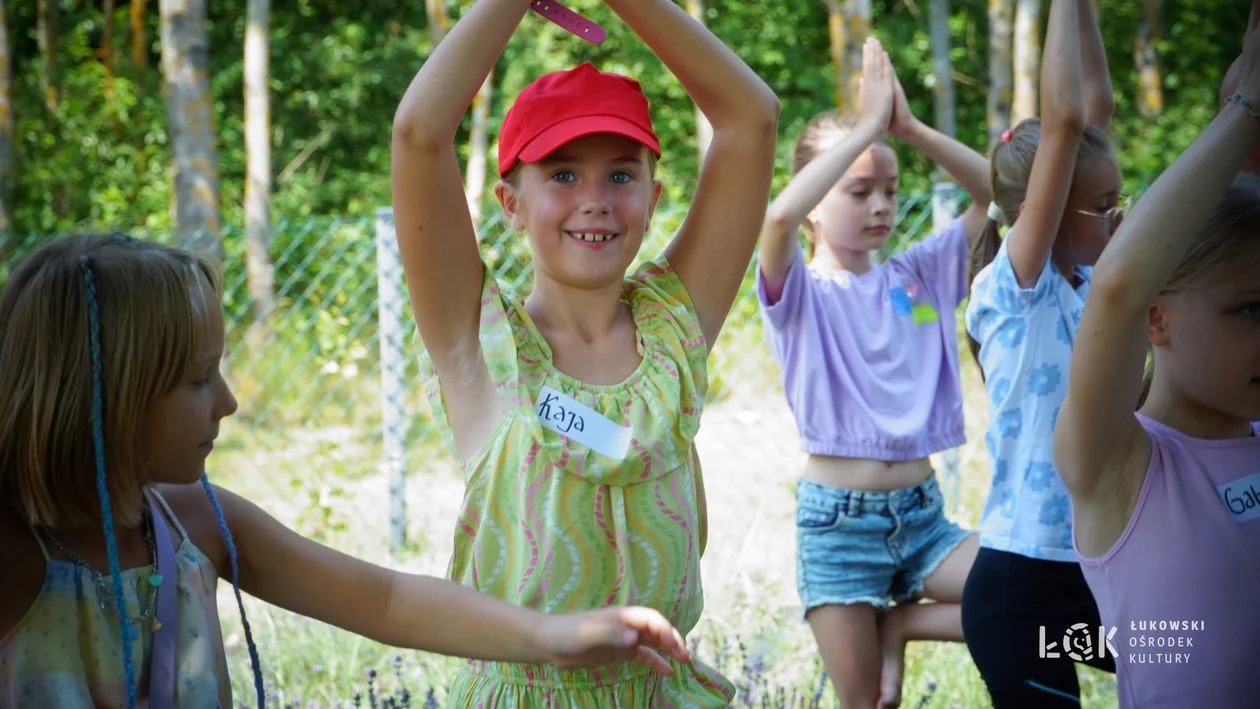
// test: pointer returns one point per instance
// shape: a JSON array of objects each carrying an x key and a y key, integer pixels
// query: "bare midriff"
[{"x": 869, "y": 475}]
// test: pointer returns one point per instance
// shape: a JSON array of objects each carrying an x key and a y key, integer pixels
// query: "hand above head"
[
  {"x": 875, "y": 94},
  {"x": 595, "y": 638},
  {"x": 1248, "y": 63},
  {"x": 903, "y": 120}
]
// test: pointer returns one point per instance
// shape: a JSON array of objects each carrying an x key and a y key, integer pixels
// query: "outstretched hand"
[
  {"x": 594, "y": 638},
  {"x": 875, "y": 93}
]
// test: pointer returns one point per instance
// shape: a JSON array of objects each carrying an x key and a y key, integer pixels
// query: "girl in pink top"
[{"x": 1166, "y": 501}]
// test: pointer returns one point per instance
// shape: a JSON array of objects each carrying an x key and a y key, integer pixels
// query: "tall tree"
[
  {"x": 478, "y": 147},
  {"x": 704, "y": 129},
  {"x": 479, "y": 137},
  {"x": 107, "y": 49},
  {"x": 1146, "y": 58},
  {"x": 1027, "y": 59},
  {"x": 6, "y": 124},
  {"x": 185, "y": 67},
  {"x": 942, "y": 68},
  {"x": 1000, "y": 80},
  {"x": 139, "y": 43},
  {"x": 849, "y": 24},
  {"x": 46, "y": 37},
  {"x": 439, "y": 19},
  {"x": 258, "y": 265}
]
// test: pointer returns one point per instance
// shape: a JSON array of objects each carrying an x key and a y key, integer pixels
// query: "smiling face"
[
  {"x": 585, "y": 207},
  {"x": 857, "y": 214}
]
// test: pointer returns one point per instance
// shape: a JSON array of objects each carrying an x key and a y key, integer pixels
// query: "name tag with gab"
[
  {"x": 1242, "y": 498},
  {"x": 565, "y": 415}
]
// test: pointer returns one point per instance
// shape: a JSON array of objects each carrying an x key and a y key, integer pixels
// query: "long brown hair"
[
  {"x": 1010, "y": 166},
  {"x": 148, "y": 297}
]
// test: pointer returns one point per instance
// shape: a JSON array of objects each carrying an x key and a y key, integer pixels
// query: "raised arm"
[
  {"x": 969, "y": 167},
  {"x": 815, "y": 180},
  {"x": 712, "y": 250},
  {"x": 427, "y": 613},
  {"x": 1062, "y": 127},
  {"x": 435, "y": 231},
  {"x": 1096, "y": 426},
  {"x": 1100, "y": 100}
]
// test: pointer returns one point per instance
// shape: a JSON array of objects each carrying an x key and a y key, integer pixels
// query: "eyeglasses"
[{"x": 1113, "y": 215}]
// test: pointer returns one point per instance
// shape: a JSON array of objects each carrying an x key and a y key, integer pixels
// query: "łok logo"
[{"x": 1078, "y": 643}]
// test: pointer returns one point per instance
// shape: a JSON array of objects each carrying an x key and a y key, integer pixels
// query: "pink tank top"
[{"x": 1181, "y": 587}]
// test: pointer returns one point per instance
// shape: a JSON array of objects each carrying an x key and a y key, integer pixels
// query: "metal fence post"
[
  {"x": 945, "y": 200},
  {"x": 393, "y": 418}
]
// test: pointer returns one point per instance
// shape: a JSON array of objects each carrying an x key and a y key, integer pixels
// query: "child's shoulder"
[
  {"x": 660, "y": 301},
  {"x": 192, "y": 510}
]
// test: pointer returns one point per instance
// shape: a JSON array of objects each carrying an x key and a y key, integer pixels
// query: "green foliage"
[{"x": 338, "y": 70}]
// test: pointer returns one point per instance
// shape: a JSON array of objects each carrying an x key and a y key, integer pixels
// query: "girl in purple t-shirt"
[
  {"x": 869, "y": 355},
  {"x": 1166, "y": 500}
]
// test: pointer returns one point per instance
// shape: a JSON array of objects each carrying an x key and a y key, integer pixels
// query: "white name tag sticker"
[
  {"x": 1242, "y": 498},
  {"x": 568, "y": 417}
]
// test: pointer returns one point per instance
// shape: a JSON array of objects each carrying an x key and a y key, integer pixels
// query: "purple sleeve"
[
  {"x": 940, "y": 263},
  {"x": 792, "y": 301}
]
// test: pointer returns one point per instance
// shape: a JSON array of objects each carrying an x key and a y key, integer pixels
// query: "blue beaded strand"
[
  {"x": 98, "y": 439},
  {"x": 254, "y": 663}
]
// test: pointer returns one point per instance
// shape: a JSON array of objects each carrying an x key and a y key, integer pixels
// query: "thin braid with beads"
[
  {"x": 129, "y": 633},
  {"x": 236, "y": 586},
  {"x": 98, "y": 439}
]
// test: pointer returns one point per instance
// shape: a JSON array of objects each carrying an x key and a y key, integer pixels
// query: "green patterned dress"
[{"x": 551, "y": 524}]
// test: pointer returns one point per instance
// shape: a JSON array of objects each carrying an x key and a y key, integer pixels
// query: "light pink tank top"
[{"x": 1182, "y": 585}]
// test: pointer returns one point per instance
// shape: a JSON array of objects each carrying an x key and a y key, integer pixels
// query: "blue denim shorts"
[{"x": 877, "y": 548}]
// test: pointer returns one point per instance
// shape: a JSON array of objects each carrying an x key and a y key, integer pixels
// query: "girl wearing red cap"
[{"x": 573, "y": 412}]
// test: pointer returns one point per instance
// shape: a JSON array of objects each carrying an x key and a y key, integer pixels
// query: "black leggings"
[{"x": 1006, "y": 600}]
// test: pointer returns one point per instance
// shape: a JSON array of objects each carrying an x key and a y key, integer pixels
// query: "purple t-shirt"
[
  {"x": 1179, "y": 586},
  {"x": 870, "y": 362}
]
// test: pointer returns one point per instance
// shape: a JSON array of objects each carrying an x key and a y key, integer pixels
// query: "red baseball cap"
[{"x": 565, "y": 105}]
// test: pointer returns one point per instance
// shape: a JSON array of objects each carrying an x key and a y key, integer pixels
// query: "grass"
[{"x": 324, "y": 483}]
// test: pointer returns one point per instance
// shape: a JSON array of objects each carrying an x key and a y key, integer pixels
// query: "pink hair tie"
[
  {"x": 569, "y": 20},
  {"x": 1006, "y": 135}
]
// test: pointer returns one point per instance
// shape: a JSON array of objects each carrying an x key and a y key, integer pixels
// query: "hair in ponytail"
[{"x": 1010, "y": 167}]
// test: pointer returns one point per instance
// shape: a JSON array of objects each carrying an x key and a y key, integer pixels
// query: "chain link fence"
[{"x": 336, "y": 364}]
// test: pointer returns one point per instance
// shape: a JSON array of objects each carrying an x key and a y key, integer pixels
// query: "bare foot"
[{"x": 893, "y": 642}]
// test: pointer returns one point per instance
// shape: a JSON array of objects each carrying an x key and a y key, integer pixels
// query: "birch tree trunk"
[
  {"x": 1146, "y": 58},
  {"x": 704, "y": 129},
  {"x": 942, "y": 68},
  {"x": 439, "y": 20},
  {"x": 849, "y": 24},
  {"x": 1027, "y": 59},
  {"x": 185, "y": 66},
  {"x": 258, "y": 265},
  {"x": 1001, "y": 84},
  {"x": 478, "y": 147}
]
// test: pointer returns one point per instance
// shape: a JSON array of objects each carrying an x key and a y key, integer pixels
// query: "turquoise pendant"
[{"x": 155, "y": 580}]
